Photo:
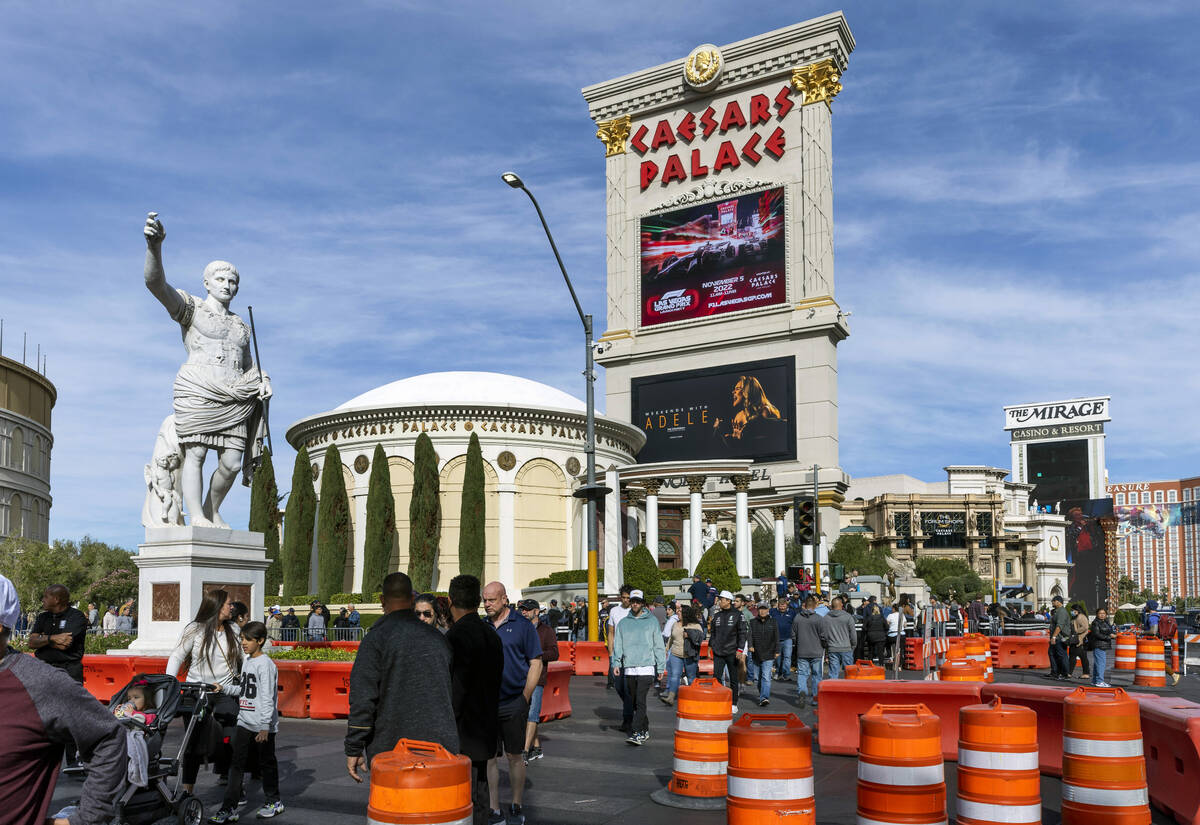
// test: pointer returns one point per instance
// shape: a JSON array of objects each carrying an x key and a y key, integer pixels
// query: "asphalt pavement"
[{"x": 589, "y": 775}]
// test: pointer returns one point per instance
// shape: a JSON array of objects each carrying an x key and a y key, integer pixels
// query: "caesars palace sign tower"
[{"x": 722, "y": 323}]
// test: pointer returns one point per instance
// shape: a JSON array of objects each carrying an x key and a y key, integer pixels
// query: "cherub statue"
[{"x": 164, "y": 503}]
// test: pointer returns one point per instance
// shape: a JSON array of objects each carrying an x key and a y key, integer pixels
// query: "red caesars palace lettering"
[{"x": 693, "y": 163}]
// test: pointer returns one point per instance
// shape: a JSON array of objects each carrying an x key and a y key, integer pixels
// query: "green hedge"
[
  {"x": 674, "y": 574},
  {"x": 95, "y": 643},
  {"x": 1127, "y": 617},
  {"x": 314, "y": 654},
  {"x": 566, "y": 577}
]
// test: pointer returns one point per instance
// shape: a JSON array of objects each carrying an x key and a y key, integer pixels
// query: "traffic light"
[{"x": 806, "y": 522}]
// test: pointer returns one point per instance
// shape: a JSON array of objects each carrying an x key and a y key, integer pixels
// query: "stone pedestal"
[{"x": 177, "y": 565}]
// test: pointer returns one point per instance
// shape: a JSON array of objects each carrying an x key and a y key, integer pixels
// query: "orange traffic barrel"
[
  {"x": 957, "y": 648},
  {"x": 770, "y": 771},
  {"x": 864, "y": 669},
  {"x": 998, "y": 777},
  {"x": 420, "y": 783},
  {"x": 704, "y": 710},
  {"x": 1103, "y": 769},
  {"x": 901, "y": 779},
  {"x": 960, "y": 670},
  {"x": 979, "y": 650},
  {"x": 1126, "y": 658},
  {"x": 1151, "y": 667}
]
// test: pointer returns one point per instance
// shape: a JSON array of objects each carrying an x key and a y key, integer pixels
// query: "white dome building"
[{"x": 532, "y": 438}]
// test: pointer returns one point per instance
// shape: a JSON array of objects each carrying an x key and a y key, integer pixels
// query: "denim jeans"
[
  {"x": 838, "y": 660},
  {"x": 808, "y": 675},
  {"x": 675, "y": 668},
  {"x": 751, "y": 668},
  {"x": 783, "y": 662},
  {"x": 1099, "y": 662},
  {"x": 765, "y": 672}
]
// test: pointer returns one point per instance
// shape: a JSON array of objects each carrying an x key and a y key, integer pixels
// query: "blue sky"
[{"x": 1016, "y": 217}]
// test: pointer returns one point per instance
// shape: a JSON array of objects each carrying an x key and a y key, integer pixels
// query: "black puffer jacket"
[
  {"x": 875, "y": 627},
  {"x": 764, "y": 638},
  {"x": 1101, "y": 634}
]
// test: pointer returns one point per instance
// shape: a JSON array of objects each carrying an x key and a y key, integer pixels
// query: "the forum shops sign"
[{"x": 1059, "y": 418}]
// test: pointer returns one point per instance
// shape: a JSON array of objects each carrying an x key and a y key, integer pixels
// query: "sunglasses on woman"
[{"x": 428, "y": 614}]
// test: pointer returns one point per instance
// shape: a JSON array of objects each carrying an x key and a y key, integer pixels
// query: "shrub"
[
  {"x": 1127, "y": 617},
  {"x": 641, "y": 573},
  {"x": 313, "y": 654},
  {"x": 95, "y": 643},
  {"x": 944, "y": 575},
  {"x": 566, "y": 577},
  {"x": 264, "y": 518},
  {"x": 348, "y": 598},
  {"x": 298, "y": 524},
  {"x": 333, "y": 525},
  {"x": 717, "y": 564},
  {"x": 854, "y": 552},
  {"x": 542, "y": 582},
  {"x": 674, "y": 574}
]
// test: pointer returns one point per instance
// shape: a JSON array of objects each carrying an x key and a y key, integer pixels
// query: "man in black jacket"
[
  {"x": 764, "y": 647},
  {"x": 475, "y": 685},
  {"x": 727, "y": 641},
  {"x": 400, "y": 682}
]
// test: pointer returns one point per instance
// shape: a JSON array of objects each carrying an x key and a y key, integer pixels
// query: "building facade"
[
  {"x": 1158, "y": 543},
  {"x": 26, "y": 400},
  {"x": 532, "y": 439},
  {"x": 975, "y": 515}
]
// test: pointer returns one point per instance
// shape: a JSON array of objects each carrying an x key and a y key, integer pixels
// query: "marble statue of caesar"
[{"x": 219, "y": 392}]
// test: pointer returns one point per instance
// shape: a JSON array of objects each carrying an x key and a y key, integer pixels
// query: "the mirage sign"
[{"x": 1073, "y": 411}]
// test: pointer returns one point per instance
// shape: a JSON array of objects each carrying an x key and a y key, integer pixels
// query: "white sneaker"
[
  {"x": 735, "y": 708},
  {"x": 269, "y": 810}
]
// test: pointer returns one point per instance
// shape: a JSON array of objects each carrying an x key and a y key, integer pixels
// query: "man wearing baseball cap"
[
  {"x": 530, "y": 609},
  {"x": 727, "y": 641},
  {"x": 638, "y": 658},
  {"x": 42, "y": 709}
]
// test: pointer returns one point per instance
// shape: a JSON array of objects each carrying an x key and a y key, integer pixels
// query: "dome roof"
[{"x": 483, "y": 389}]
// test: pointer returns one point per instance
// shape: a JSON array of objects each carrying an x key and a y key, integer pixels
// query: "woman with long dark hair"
[{"x": 210, "y": 650}]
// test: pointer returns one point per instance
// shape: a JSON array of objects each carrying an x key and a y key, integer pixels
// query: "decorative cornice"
[
  {"x": 779, "y": 513},
  {"x": 818, "y": 81},
  {"x": 712, "y": 189},
  {"x": 695, "y": 484},
  {"x": 741, "y": 483},
  {"x": 651, "y": 486},
  {"x": 614, "y": 134}
]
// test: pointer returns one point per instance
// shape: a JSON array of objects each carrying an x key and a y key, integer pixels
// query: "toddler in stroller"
[{"x": 146, "y": 706}]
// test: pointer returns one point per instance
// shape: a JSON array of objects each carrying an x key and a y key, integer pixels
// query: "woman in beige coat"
[{"x": 1079, "y": 631}]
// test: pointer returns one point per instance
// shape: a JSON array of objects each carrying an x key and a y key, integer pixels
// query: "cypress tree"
[
  {"x": 424, "y": 515},
  {"x": 641, "y": 573},
  {"x": 264, "y": 518},
  {"x": 298, "y": 528},
  {"x": 471, "y": 542},
  {"x": 717, "y": 564},
  {"x": 381, "y": 523},
  {"x": 333, "y": 526}
]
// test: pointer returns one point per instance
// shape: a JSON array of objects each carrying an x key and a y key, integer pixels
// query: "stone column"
[
  {"x": 614, "y": 575},
  {"x": 633, "y": 504},
  {"x": 359, "y": 503},
  {"x": 507, "y": 549},
  {"x": 696, "y": 503},
  {"x": 820, "y": 83},
  {"x": 685, "y": 540},
  {"x": 652, "y": 517},
  {"x": 778, "y": 514},
  {"x": 741, "y": 521}
]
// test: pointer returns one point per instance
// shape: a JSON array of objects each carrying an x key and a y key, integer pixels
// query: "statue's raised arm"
[{"x": 156, "y": 276}]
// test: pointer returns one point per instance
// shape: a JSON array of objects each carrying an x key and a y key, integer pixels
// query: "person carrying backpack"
[
  {"x": 1168, "y": 631},
  {"x": 683, "y": 655}
]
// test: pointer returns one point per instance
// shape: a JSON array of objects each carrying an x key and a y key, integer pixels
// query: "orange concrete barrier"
[
  {"x": 1047, "y": 703},
  {"x": 1104, "y": 773},
  {"x": 566, "y": 653},
  {"x": 865, "y": 669},
  {"x": 149, "y": 664},
  {"x": 105, "y": 675},
  {"x": 1037, "y": 632},
  {"x": 1171, "y": 741},
  {"x": 556, "y": 695},
  {"x": 1151, "y": 667},
  {"x": 419, "y": 783},
  {"x": 293, "y": 689},
  {"x": 704, "y": 711},
  {"x": 998, "y": 778},
  {"x": 1126, "y": 655},
  {"x": 842, "y": 701},
  {"x": 329, "y": 690},
  {"x": 901, "y": 775},
  {"x": 770, "y": 771},
  {"x": 1022, "y": 651},
  {"x": 961, "y": 670},
  {"x": 591, "y": 659}
]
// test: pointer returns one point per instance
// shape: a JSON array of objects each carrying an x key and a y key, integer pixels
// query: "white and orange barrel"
[
  {"x": 864, "y": 669},
  {"x": 901, "y": 775},
  {"x": 420, "y": 783},
  {"x": 961, "y": 670},
  {"x": 770, "y": 771},
  {"x": 1126, "y": 656},
  {"x": 998, "y": 776},
  {"x": 1151, "y": 667},
  {"x": 1103, "y": 769},
  {"x": 704, "y": 710},
  {"x": 979, "y": 649}
]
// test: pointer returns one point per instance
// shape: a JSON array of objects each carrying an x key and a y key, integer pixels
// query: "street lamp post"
[{"x": 590, "y": 491}]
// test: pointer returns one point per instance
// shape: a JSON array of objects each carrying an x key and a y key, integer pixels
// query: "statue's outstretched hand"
[{"x": 154, "y": 232}]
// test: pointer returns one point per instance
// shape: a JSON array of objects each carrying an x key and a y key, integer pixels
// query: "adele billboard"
[
  {"x": 734, "y": 411},
  {"x": 718, "y": 257}
]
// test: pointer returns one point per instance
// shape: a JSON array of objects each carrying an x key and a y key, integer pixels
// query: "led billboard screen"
[
  {"x": 1059, "y": 469},
  {"x": 734, "y": 411},
  {"x": 1087, "y": 578},
  {"x": 719, "y": 257}
]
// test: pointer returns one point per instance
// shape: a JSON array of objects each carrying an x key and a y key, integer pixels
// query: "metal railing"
[{"x": 330, "y": 634}]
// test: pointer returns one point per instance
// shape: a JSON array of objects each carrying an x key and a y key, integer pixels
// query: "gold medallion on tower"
[{"x": 703, "y": 67}]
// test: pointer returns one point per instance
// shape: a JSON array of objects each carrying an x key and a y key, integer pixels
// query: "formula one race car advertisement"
[{"x": 707, "y": 260}]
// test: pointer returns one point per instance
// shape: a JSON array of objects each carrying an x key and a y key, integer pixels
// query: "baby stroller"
[{"x": 159, "y": 798}]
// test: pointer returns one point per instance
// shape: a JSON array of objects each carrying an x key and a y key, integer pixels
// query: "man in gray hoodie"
[
  {"x": 840, "y": 636},
  {"x": 808, "y": 639}
]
